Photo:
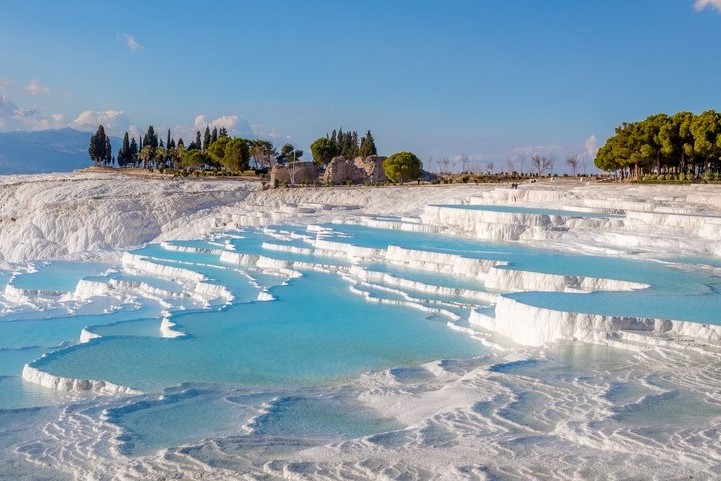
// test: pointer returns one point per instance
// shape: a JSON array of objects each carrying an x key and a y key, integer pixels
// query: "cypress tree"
[
  {"x": 99, "y": 147},
  {"x": 151, "y": 138},
  {"x": 167, "y": 142},
  {"x": 123, "y": 157},
  {"x": 214, "y": 136},
  {"x": 198, "y": 144},
  {"x": 133, "y": 152},
  {"x": 107, "y": 151},
  {"x": 206, "y": 138},
  {"x": 354, "y": 144}
]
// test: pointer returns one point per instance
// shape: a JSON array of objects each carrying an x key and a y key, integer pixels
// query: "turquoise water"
[
  {"x": 288, "y": 372},
  {"x": 58, "y": 276},
  {"x": 425, "y": 277},
  {"x": 337, "y": 336},
  {"x": 268, "y": 343},
  {"x": 701, "y": 306},
  {"x": 527, "y": 210},
  {"x": 54, "y": 331},
  {"x": 662, "y": 277}
]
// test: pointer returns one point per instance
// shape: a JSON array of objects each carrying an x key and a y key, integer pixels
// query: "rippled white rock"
[
  {"x": 534, "y": 326},
  {"x": 47, "y": 216},
  {"x": 58, "y": 383},
  {"x": 139, "y": 263}
]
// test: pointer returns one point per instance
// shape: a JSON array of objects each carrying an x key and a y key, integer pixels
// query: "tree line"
[
  {"x": 681, "y": 146},
  {"x": 215, "y": 149},
  {"x": 345, "y": 144}
]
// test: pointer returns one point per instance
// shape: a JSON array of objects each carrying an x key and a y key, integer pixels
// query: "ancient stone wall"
[
  {"x": 357, "y": 171},
  {"x": 303, "y": 172}
]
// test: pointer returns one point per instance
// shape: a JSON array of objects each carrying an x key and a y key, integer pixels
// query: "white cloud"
[
  {"x": 13, "y": 117},
  {"x": 232, "y": 124},
  {"x": 538, "y": 149},
  {"x": 115, "y": 122},
  {"x": 264, "y": 132},
  {"x": 227, "y": 121},
  {"x": 702, "y": 4},
  {"x": 134, "y": 132},
  {"x": 591, "y": 146},
  {"x": 130, "y": 41},
  {"x": 34, "y": 88}
]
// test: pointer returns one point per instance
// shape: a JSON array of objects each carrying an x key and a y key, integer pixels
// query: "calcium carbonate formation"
[{"x": 460, "y": 418}]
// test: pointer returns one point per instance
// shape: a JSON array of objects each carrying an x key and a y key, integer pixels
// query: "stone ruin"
[
  {"x": 302, "y": 173},
  {"x": 339, "y": 171}
]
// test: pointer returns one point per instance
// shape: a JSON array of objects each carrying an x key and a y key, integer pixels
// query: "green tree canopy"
[
  {"x": 289, "y": 153},
  {"x": 237, "y": 154},
  {"x": 195, "y": 159},
  {"x": 681, "y": 143},
  {"x": 323, "y": 150},
  {"x": 233, "y": 153},
  {"x": 217, "y": 150},
  {"x": 146, "y": 154},
  {"x": 402, "y": 167},
  {"x": 263, "y": 153}
]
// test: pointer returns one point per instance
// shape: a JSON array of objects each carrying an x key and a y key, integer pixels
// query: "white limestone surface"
[
  {"x": 53, "y": 215},
  {"x": 36, "y": 376}
]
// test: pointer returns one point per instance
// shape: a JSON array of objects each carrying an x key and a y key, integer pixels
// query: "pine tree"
[
  {"x": 214, "y": 136},
  {"x": 223, "y": 132},
  {"x": 367, "y": 145}
]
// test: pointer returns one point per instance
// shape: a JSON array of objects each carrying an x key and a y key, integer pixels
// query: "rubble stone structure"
[
  {"x": 358, "y": 171},
  {"x": 302, "y": 173},
  {"x": 339, "y": 171}
]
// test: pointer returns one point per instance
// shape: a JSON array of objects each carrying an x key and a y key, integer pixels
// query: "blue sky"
[{"x": 488, "y": 79}]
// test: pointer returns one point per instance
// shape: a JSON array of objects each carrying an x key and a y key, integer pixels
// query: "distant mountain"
[{"x": 61, "y": 150}]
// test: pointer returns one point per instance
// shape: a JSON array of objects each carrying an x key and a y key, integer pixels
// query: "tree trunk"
[{"x": 683, "y": 163}]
